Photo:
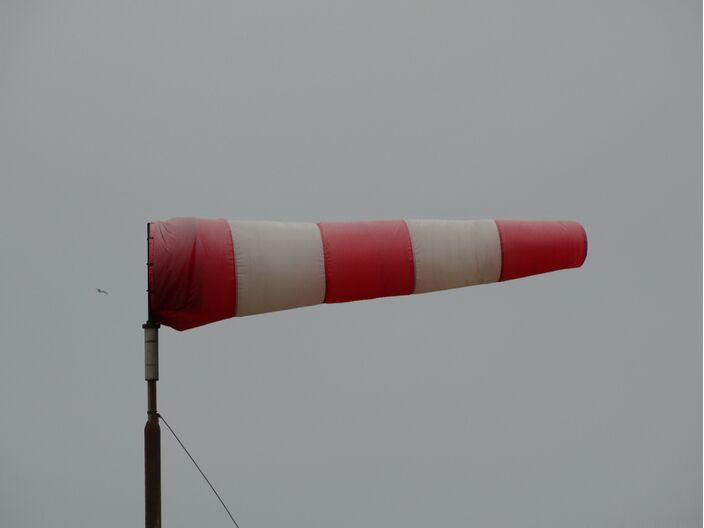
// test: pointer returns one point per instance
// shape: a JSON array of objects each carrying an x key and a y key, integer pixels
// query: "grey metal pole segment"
[{"x": 152, "y": 431}]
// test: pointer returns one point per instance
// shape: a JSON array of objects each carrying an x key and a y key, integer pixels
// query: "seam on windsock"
[
  {"x": 411, "y": 254},
  {"x": 231, "y": 240},
  {"x": 325, "y": 261},
  {"x": 501, "y": 251}
]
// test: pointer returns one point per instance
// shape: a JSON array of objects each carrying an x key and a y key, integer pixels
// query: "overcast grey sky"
[{"x": 567, "y": 399}]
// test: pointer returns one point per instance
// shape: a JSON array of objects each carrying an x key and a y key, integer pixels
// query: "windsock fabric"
[{"x": 202, "y": 270}]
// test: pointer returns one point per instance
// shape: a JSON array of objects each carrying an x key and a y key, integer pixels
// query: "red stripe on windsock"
[
  {"x": 533, "y": 247},
  {"x": 192, "y": 272},
  {"x": 364, "y": 260}
]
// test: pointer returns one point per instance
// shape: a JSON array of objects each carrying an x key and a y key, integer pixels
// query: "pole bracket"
[{"x": 151, "y": 351}]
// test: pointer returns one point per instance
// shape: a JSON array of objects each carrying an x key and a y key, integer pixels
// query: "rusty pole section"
[{"x": 152, "y": 431}]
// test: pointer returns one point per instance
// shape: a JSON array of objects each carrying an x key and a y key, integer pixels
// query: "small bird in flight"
[{"x": 101, "y": 291}]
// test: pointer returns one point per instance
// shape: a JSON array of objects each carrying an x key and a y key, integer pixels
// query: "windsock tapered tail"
[{"x": 202, "y": 271}]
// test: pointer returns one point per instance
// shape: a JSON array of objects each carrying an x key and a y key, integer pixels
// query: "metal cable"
[{"x": 198, "y": 467}]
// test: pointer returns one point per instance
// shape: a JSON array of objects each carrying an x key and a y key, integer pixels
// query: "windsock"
[{"x": 203, "y": 270}]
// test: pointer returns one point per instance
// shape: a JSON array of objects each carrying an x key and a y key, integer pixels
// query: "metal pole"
[{"x": 152, "y": 431}]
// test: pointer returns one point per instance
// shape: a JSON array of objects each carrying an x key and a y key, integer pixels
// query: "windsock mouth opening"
[{"x": 150, "y": 270}]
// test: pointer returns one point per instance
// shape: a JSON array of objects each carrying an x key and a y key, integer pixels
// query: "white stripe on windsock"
[
  {"x": 454, "y": 253},
  {"x": 279, "y": 265}
]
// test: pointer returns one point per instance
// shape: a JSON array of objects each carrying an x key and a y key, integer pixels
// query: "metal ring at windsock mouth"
[{"x": 150, "y": 269}]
